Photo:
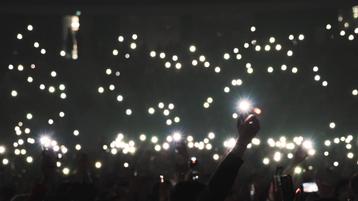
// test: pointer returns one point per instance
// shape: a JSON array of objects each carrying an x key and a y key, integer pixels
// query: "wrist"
[{"x": 239, "y": 149}]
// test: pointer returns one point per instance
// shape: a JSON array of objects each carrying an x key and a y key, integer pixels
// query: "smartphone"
[{"x": 310, "y": 187}]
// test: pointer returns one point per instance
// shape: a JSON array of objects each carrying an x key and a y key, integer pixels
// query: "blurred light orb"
[
  {"x": 194, "y": 62},
  {"x": 244, "y": 105},
  {"x": 63, "y": 95},
  {"x": 30, "y": 27},
  {"x": 36, "y": 44},
  {"x": 76, "y": 132},
  {"x": 277, "y": 156},
  {"x": 51, "y": 89},
  {"x": 108, "y": 71},
  {"x": 120, "y": 38},
  {"x": 127, "y": 56},
  {"x": 100, "y": 90},
  {"x": 66, "y": 171},
  {"x": 42, "y": 87},
  {"x": 78, "y": 147},
  {"x": 332, "y": 125},
  {"x": 355, "y": 92},
  {"x": 53, "y": 74},
  {"x": 29, "y": 116},
  {"x": 61, "y": 114},
  {"x": 142, "y": 137},
  {"x": 162, "y": 55},
  {"x": 289, "y": 53},
  {"x": 62, "y": 53},
  {"x": 128, "y": 112},
  {"x": 134, "y": 36},
  {"x": 167, "y": 64},
  {"x": 206, "y": 105},
  {"x": 29, "y": 159},
  {"x": 283, "y": 67},
  {"x": 119, "y": 98},
  {"x": 154, "y": 139},
  {"x": 50, "y": 121},
  {"x": 157, "y": 147},
  {"x": 252, "y": 28},
  {"x": 289, "y": 155},
  {"x": 335, "y": 163},
  {"x": 11, "y": 67},
  {"x": 235, "y": 115},
  {"x": 327, "y": 143},
  {"x": 178, "y": 66},
  {"x": 270, "y": 69},
  {"x": 246, "y": 45},
  {"x": 5, "y": 161},
  {"x": 278, "y": 47},
  {"x": 301, "y": 37},
  {"x": 267, "y": 48},
  {"x": 206, "y": 64},
  {"x": 115, "y": 52},
  {"x": 98, "y": 164},
  {"x": 315, "y": 69},
  {"x": 19, "y": 36},
  {"x": 257, "y": 48},
  {"x": 298, "y": 170},
  {"x": 14, "y": 93},
  {"x": 133, "y": 46},
  {"x": 342, "y": 33},
  {"x": 125, "y": 165},
  {"x": 177, "y": 136},
  {"x": 216, "y": 157},
  {"x": 169, "y": 122},
  {"x": 176, "y": 119},
  {"x": 202, "y": 58},
  {"x": 111, "y": 87},
  {"x": 350, "y": 155},
  {"x": 62, "y": 87},
  {"x": 250, "y": 70},
  {"x": 317, "y": 77},
  {"x": 328, "y": 26},
  {"x": 272, "y": 39},
  {"x": 226, "y": 89},
  {"x": 192, "y": 48},
  {"x": 152, "y": 54},
  {"x": 2, "y": 149},
  {"x": 226, "y": 56},
  {"x": 43, "y": 51},
  {"x": 151, "y": 110},
  {"x": 291, "y": 37},
  {"x": 294, "y": 70},
  {"x": 266, "y": 161},
  {"x": 20, "y": 67},
  {"x": 166, "y": 112}
]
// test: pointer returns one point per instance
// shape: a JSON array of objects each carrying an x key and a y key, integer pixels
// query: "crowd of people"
[{"x": 183, "y": 178}]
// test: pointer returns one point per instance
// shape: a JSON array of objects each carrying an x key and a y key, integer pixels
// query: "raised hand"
[{"x": 248, "y": 128}]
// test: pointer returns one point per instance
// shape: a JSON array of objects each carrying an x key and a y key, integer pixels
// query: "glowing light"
[
  {"x": 206, "y": 64},
  {"x": 332, "y": 125},
  {"x": 335, "y": 163},
  {"x": 277, "y": 156},
  {"x": 289, "y": 53},
  {"x": 294, "y": 70},
  {"x": 283, "y": 67},
  {"x": 5, "y": 161},
  {"x": 291, "y": 37},
  {"x": 278, "y": 47},
  {"x": 270, "y": 69},
  {"x": 266, "y": 161},
  {"x": 176, "y": 119},
  {"x": 19, "y": 36},
  {"x": 216, "y": 157},
  {"x": 327, "y": 143},
  {"x": 63, "y": 95},
  {"x": 126, "y": 165},
  {"x": 100, "y": 90},
  {"x": 157, "y": 147},
  {"x": 317, "y": 77},
  {"x": 290, "y": 155},
  {"x": 66, "y": 171},
  {"x": 257, "y": 48},
  {"x": 154, "y": 139},
  {"x": 167, "y": 64},
  {"x": 326, "y": 153},
  {"x": 133, "y": 46},
  {"x": 355, "y": 92},
  {"x": 14, "y": 93},
  {"x": 2, "y": 149},
  {"x": 252, "y": 28},
  {"x": 142, "y": 137},
  {"x": 134, "y": 36},
  {"x": 190, "y": 138},
  {"x": 76, "y": 132},
  {"x": 43, "y": 51},
  {"x": 255, "y": 141},
  {"x": 272, "y": 39},
  {"x": 162, "y": 55},
  {"x": 166, "y": 146},
  {"x": 328, "y": 27},
  {"x": 301, "y": 37},
  {"x": 206, "y": 105},
  {"x": 244, "y": 105},
  {"x": 230, "y": 143},
  {"x": 350, "y": 37},
  {"x": 211, "y": 135},
  {"x": 235, "y": 115},
  {"x": 115, "y": 52},
  {"x": 50, "y": 121},
  {"x": 267, "y": 48},
  {"x": 226, "y": 56},
  {"x": 250, "y": 70},
  {"x": 36, "y": 45},
  {"x": 29, "y": 159},
  {"x": 192, "y": 48},
  {"x": 78, "y": 147},
  {"x": 350, "y": 155},
  {"x": 153, "y": 54},
  {"x": 194, "y": 62},
  {"x": 298, "y": 170},
  {"x": 128, "y": 112}
]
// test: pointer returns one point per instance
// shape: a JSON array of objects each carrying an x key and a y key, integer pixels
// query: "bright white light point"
[
  {"x": 128, "y": 112},
  {"x": 142, "y": 137},
  {"x": 252, "y": 28},
  {"x": 192, "y": 48},
  {"x": 350, "y": 155},
  {"x": 161, "y": 105},
  {"x": 127, "y": 55},
  {"x": 11, "y": 67},
  {"x": 151, "y": 110},
  {"x": 206, "y": 64},
  {"x": 328, "y": 26},
  {"x": 13, "y": 93},
  {"x": 350, "y": 37},
  {"x": 272, "y": 39},
  {"x": 355, "y": 92},
  {"x": 238, "y": 56},
  {"x": 326, "y": 153},
  {"x": 115, "y": 52},
  {"x": 332, "y": 125},
  {"x": 315, "y": 68},
  {"x": 266, "y": 161},
  {"x": 216, "y": 157},
  {"x": 42, "y": 86},
  {"x": 209, "y": 99},
  {"x": 269, "y": 69},
  {"x": 133, "y": 46},
  {"x": 2, "y": 149},
  {"x": 342, "y": 33},
  {"x": 298, "y": 170},
  {"x": 29, "y": 159},
  {"x": 20, "y": 67},
  {"x": 217, "y": 69},
  {"x": 126, "y": 165},
  {"x": 152, "y": 54},
  {"x": 66, "y": 171},
  {"x": 119, "y": 98},
  {"x": 290, "y": 155},
  {"x": 194, "y": 62},
  {"x": 50, "y": 121},
  {"x": 30, "y": 27},
  {"x": 76, "y": 132},
  {"x": 43, "y": 51},
  {"x": 30, "y": 79},
  {"x": 62, "y": 53},
  {"x": 178, "y": 65},
  {"x": 317, "y": 77},
  {"x": 51, "y": 89},
  {"x": 226, "y": 89},
  {"x": 36, "y": 44},
  {"x": 246, "y": 45},
  {"x": 257, "y": 48},
  {"x": 175, "y": 58},
  {"x": 61, "y": 114},
  {"x": 250, "y": 70},
  {"x": 176, "y": 119},
  {"x": 236, "y": 50},
  {"x": 171, "y": 106},
  {"x": 291, "y": 37},
  {"x": 301, "y": 37},
  {"x": 211, "y": 135},
  {"x": 248, "y": 65},
  {"x": 157, "y": 147},
  {"x": 356, "y": 30},
  {"x": 267, "y": 47},
  {"x": 19, "y": 36},
  {"x": 206, "y": 105},
  {"x": 235, "y": 115},
  {"x": 100, "y": 90},
  {"x": 53, "y": 74},
  {"x": 335, "y": 164},
  {"x": 108, "y": 71},
  {"x": 134, "y": 36},
  {"x": 294, "y": 70},
  {"x": 327, "y": 143},
  {"x": 167, "y": 64},
  {"x": 277, "y": 156},
  {"x": 202, "y": 58},
  {"x": 289, "y": 53},
  {"x": 120, "y": 38},
  {"x": 278, "y": 47},
  {"x": 162, "y": 55},
  {"x": 166, "y": 112},
  {"x": 111, "y": 87},
  {"x": 5, "y": 161},
  {"x": 177, "y": 136},
  {"x": 226, "y": 56},
  {"x": 63, "y": 95},
  {"x": 98, "y": 165},
  {"x": 78, "y": 147},
  {"x": 244, "y": 105}
]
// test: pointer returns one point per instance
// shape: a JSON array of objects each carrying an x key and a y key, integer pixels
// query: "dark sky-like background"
[{"x": 292, "y": 104}]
